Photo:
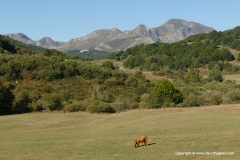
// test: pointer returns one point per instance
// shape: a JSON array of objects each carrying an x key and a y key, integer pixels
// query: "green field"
[{"x": 82, "y": 135}]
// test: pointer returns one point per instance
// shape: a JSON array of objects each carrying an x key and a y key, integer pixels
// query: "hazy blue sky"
[{"x": 66, "y": 19}]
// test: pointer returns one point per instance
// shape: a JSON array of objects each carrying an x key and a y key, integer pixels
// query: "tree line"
[{"x": 193, "y": 52}]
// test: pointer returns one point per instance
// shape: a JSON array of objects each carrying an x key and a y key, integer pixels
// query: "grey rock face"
[
  {"x": 47, "y": 42},
  {"x": 114, "y": 39},
  {"x": 20, "y": 37}
]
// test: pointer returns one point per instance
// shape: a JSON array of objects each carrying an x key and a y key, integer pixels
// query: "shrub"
[
  {"x": 232, "y": 95},
  {"x": 227, "y": 100},
  {"x": 145, "y": 101},
  {"x": 100, "y": 107},
  {"x": 6, "y": 100},
  {"x": 108, "y": 64},
  {"x": 216, "y": 99},
  {"x": 168, "y": 104},
  {"x": 193, "y": 100},
  {"x": 53, "y": 102},
  {"x": 36, "y": 106},
  {"x": 215, "y": 74},
  {"x": 192, "y": 76},
  {"x": 77, "y": 106},
  {"x": 122, "y": 104},
  {"x": 135, "y": 105},
  {"x": 22, "y": 102},
  {"x": 164, "y": 91}
]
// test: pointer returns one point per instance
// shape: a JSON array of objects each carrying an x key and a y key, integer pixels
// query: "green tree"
[
  {"x": 108, "y": 64},
  {"x": 54, "y": 102},
  {"x": 164, "y": 91},
  {"x": 154, "y": 67},
  {"x": 226, "y": 55},
  {"x": 193, "y": 76},
  {"x": 22, "y": 102},
  {"x": 6, "y": 100},
  {"x": 13, "y": 71},
  {"x": 216, "y": 74}
]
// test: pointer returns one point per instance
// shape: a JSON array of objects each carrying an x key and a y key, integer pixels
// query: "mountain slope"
[
  {"x": 47, "y": 42},
  {"x": 176, "y": 29},
  {"x": 20, "y": 37},
  {"x": 194, "y": 52},
  {"x": 114, "y": 39}
]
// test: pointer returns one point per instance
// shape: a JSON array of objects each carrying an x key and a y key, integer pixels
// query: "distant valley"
[{"x": 110, "y": 40}]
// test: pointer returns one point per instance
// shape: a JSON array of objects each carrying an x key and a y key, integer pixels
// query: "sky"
[{"x": 63, "y": 20}]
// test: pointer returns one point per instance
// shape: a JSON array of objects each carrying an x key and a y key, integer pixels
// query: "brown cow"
[{"x": 141, "y": 139}]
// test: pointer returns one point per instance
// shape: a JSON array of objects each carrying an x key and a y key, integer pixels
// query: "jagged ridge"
[{"x": 114, "y": 39}]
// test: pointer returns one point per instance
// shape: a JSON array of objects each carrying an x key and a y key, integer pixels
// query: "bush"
[
  {"x": 216, "y": 74},
  {"x": 6, "y": 100},
  {"x": 100, "y": 107},
  {"x": 193, "y": 100},
  {"x": 135, "y": 105},
  {"x": 22, "y": 102},
  {"x": 77, "y": 106},
  {"x": 36, "y": 106},
  {"x": 232, "y": 96},
  {"x": 108, "y": 64},
  {"x": 145, "y": 101},
  {"x": 53, "y": 102},
  {"x": 122, "y": 104},
  {"x": 168, "y": 104},
  {"x": 164, "y": 91},
  {"x": 216, "y": 99}
]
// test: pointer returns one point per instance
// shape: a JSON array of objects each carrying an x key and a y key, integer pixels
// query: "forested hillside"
[
  {"x": 36, "y": 79},
  {"x": 43, "y": 79},
  {"x": 193, "y": 52},
  {"x": 196, "y": 65}
]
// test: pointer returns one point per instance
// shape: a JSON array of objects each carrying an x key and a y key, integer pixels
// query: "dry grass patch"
[{"x": 110, "y": 136}]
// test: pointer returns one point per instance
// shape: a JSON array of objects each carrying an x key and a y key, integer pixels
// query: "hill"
[
  {"x": 114, "y": 39},
  {"x": 46, "y": 79},
  {"x": 193, "y": 52}
]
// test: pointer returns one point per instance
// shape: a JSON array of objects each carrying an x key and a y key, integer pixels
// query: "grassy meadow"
[{"x": 81, "y": 135}]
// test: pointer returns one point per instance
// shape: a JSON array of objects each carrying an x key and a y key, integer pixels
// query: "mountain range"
[{"x": 114, "y": 39}]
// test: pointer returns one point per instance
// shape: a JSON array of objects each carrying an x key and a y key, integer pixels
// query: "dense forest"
[
  {"x": 193, "y": 52},
  {"x": 37, "y": 79}
]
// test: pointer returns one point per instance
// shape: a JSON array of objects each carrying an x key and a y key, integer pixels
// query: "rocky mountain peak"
[
  {"x": 142, "y": 29},
  {"x": 24, "y": 36},
  {"x": 20, "y": 37},
  {"x": 48, "y": 42},
  {"x": 142, "y": 26},
  {"x": 114, "y": 39}
]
